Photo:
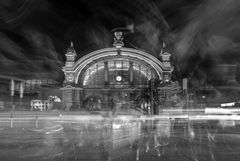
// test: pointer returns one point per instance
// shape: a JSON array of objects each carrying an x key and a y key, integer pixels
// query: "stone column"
[
  {"x": 131, "y": 73},
  {"x": 67, "y": 96},
  {"x": 78, "y": 98},
  {"x": 106, "y": 73}
]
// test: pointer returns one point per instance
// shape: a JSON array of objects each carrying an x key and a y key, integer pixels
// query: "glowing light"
[
  {"x": 118, "y": 64},
  {"x": 118, "y": 78},
  {"x": 230, "y": 104},
  {"x": 116, "y": 126}
]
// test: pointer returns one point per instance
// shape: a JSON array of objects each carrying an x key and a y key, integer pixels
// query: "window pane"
[
  {"x": 125, "y": 64},
  {"x": 118, "y": 64},
  {"x": 111, "y": 64}
]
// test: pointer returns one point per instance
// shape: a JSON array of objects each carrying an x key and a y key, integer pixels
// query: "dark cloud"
[
  {"x": 202, "y": 34},
  {"x": 27, "y": 51},
  {"x": 212, "y": 31}
]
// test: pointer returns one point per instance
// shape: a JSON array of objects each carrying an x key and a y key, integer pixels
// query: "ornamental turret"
[
  {"x": 118, "y": 39},
  {"x": 165, "y": 56},
  {"x": 70, "y": 55}
]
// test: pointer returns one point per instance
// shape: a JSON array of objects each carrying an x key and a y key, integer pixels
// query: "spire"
[
  {"x": 71, "y": 50},
  {"x": 163, "y": 49},
  {"x": 164, "y": 56},
  {"x": 164, "y": 45},
  {"x": 70, "y": 55}
]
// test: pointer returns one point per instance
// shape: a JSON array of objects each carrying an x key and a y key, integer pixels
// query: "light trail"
[{"x": 20, "y": 117}]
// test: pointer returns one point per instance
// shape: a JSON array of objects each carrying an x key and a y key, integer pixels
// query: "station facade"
[{"x": 114, "y": 77}]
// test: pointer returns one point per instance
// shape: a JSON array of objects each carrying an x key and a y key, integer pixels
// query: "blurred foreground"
[{"x": 75, "y": 136}]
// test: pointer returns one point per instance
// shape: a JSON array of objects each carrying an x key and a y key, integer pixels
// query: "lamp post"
[
  {"x": 12, "y": 87},
  {"x": 21, "y": 93},
  {"x": 185, "y": 82}
]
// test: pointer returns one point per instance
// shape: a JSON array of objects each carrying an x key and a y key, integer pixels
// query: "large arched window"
[
  {"x": 94, "y": 76},
  {"x": 117, "y": 73}
]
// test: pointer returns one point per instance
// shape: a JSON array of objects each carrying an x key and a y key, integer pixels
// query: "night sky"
[{"x": 202, "y": 35}]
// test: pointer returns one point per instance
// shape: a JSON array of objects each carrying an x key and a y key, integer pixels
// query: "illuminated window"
[
  {"x": 126, "y": 64},
  {"x": 111, "y": 64},
  {"x": 94, "y": 76},
  {"x": 141, "y": 74},
  {"x": 118, "y": 64}
]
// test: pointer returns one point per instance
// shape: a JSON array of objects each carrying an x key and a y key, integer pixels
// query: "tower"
[
  {"x": 70, "y": 60},
  {"x": 70, "y": 55},
  {"x": 165, "y": 58},
  {"x": 70, "y": 94}
]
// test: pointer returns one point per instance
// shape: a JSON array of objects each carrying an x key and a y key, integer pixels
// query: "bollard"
[
  {"x": 61, "y": 117},
  {"x": 137, "y": 155},
  {"x": 11, "y": 120}
]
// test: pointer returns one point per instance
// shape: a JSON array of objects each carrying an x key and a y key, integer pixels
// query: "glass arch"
[{"x": 116, "y": 73}]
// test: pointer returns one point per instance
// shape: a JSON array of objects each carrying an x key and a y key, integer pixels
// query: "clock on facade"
[{"x": 119, "y": 78}]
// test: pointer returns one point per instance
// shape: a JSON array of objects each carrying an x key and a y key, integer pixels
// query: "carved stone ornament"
[
  {"x": 166, "y": 77},
  {"x": 69, "y": 77},
  {"x": 118, "y": 39}
]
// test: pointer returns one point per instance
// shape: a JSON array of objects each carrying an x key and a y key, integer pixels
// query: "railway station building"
[{"x": 117, "y": 76}]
